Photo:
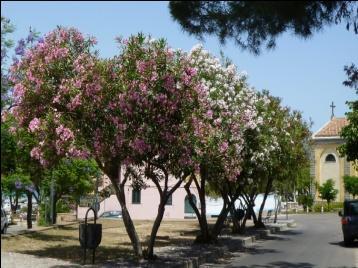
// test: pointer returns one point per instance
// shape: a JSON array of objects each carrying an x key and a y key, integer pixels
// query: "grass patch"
[{"x": 63, "y": 243}]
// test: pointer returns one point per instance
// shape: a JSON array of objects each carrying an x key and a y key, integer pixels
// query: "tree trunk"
[
  {"x": 155, "y": 228},
  {"x": 219, "y": 224},
  {"x": 54, "y": 211},
  {"x": 220, "y": 221},
  {"x": 277, "y": 208},
  {"x": 16, "y": 201},
  {"x": 260, "y": 224},
  {"x": 12, "y": 205},
  {"x": 204, "y": 236},
  {"x": 115, "y": 177},
  {"x": 236, "y": 226},
  {"x": 29, "y": 210}
]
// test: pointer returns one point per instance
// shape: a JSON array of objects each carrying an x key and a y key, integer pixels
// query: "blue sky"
[{"x": 306, "y": 74}]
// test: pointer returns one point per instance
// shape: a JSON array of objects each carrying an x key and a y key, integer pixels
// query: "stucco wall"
[
  {"x": 148, "y": 207},
  {"x": 326, "y": 170}
]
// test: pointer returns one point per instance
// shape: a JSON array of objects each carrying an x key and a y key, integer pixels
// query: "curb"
[{"x": 245, "y": 241}]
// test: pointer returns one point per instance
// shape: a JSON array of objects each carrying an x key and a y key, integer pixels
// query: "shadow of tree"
[
  {"x": 75, "y": 253},
  {"x": 49, "y": 237},
  {"x": 280, "y": 264},
  {"x": 258, "y": 250}
]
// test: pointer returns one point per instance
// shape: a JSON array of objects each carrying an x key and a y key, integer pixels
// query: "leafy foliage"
[
  {"x": 350, "y": 132},
  {"x": 72, "y": 177},
  {"x": 352, "y": 80},
  {"x": 253, "y": 24},
  {"x": 6, "y": 44},
  {"x": 351, "y": 185},
  {"x": 327, "y": 191}
]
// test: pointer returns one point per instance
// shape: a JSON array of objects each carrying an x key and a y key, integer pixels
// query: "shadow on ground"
[
  {"x": 75, "y": 253},
  {"x": 341, "y": 244},
  {"x": 49, "y": 237},
  {"x": 281, "y": 264}
]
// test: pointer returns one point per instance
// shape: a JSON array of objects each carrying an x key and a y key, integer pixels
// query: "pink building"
[{"x": 143, "y": 204}]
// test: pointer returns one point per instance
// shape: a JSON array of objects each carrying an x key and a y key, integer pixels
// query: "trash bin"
[
  {"x": 90, "y": 235},
  {"x": 94, "y": 235}
]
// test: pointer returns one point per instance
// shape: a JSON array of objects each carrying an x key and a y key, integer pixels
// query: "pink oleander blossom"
[
  {"x": 141, "y": 66},
  {"x": 36, "y": 153},
  {"x": 19, "y": 90},
  {"x": 209, "y": 114},
  {"x": 73, "y": 152},
  {"x": 223, "y": 147},
  {"x": 75, "y": 102},
  {"x": 139, "y": 146},
  {"x": 64, "y": 133},
  {"x": 34, "y": 124}
]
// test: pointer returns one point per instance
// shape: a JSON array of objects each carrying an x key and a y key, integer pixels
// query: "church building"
[{"x": 326, "y": 162}]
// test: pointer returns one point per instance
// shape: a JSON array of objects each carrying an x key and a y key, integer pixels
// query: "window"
[
  {"x": 135, "y": 196},
  {"x": 330, "y": 158},
  {"x": 187, "y": 207},
  {"x": 169, "y": 201}
]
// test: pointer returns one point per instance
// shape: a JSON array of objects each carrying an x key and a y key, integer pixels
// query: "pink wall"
[{"x": 148, "y": 207}]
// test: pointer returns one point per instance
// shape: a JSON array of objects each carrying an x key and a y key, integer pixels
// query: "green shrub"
[
  {"x": 305, "y": 201},
  {"x": 62, "y": 206},
  {"x": 333, "y": 206}
]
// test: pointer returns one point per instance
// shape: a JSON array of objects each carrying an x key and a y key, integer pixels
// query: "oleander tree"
[
  {"x": 231, "y": 111},
  {"x": 274, "y": 151},
  {"x": 132, "y": 110},
  {"x": 162, "y": 105}
]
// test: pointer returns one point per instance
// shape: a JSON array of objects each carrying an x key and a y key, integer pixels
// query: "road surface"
[{"x": 315, "y": 242}]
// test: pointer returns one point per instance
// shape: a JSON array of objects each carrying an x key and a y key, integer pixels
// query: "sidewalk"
[{"x": 17, "y": 260}]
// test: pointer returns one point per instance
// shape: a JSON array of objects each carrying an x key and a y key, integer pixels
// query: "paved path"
[
  {"x": 315, "y": 242},
  {"x": 17, "y": 260}
]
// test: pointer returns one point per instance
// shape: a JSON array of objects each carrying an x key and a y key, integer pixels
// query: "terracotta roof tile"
[{"x": 333, "y": 128}]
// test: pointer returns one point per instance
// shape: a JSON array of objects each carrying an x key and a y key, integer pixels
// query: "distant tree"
[
  {"x": 8, "y": 150},
  {"x": 350, "y": 132},
  {"x": 71, "y": 177},
  {"x": 254, "y": 24},
  {"x": 327, "y": 191},
  {"x": 351, "y": 185},
  {"x": 14, "y": 186},
  {"x": 6, "y": 44},
  {"x": 304, "y": 185}
]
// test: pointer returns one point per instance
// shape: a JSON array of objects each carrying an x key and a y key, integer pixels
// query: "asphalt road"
[{"x": 315, "y": 242}]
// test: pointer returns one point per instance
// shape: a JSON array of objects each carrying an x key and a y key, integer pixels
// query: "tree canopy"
[{"x": 254, "y": 24}]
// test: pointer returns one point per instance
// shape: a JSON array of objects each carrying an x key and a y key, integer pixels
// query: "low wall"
[{"x": 65, "y": 217}]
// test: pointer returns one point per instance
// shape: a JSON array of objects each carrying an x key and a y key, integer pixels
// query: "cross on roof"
[{"x": 332, "y": 106}]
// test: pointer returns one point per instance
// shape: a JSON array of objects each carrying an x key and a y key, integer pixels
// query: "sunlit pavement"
[{"x": 315, "y": 242}]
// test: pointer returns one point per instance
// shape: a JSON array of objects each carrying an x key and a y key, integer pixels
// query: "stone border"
[{"x": 245, "y": 242}]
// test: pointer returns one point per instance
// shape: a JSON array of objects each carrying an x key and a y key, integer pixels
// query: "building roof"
[{"x": 332, "y": 128}]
